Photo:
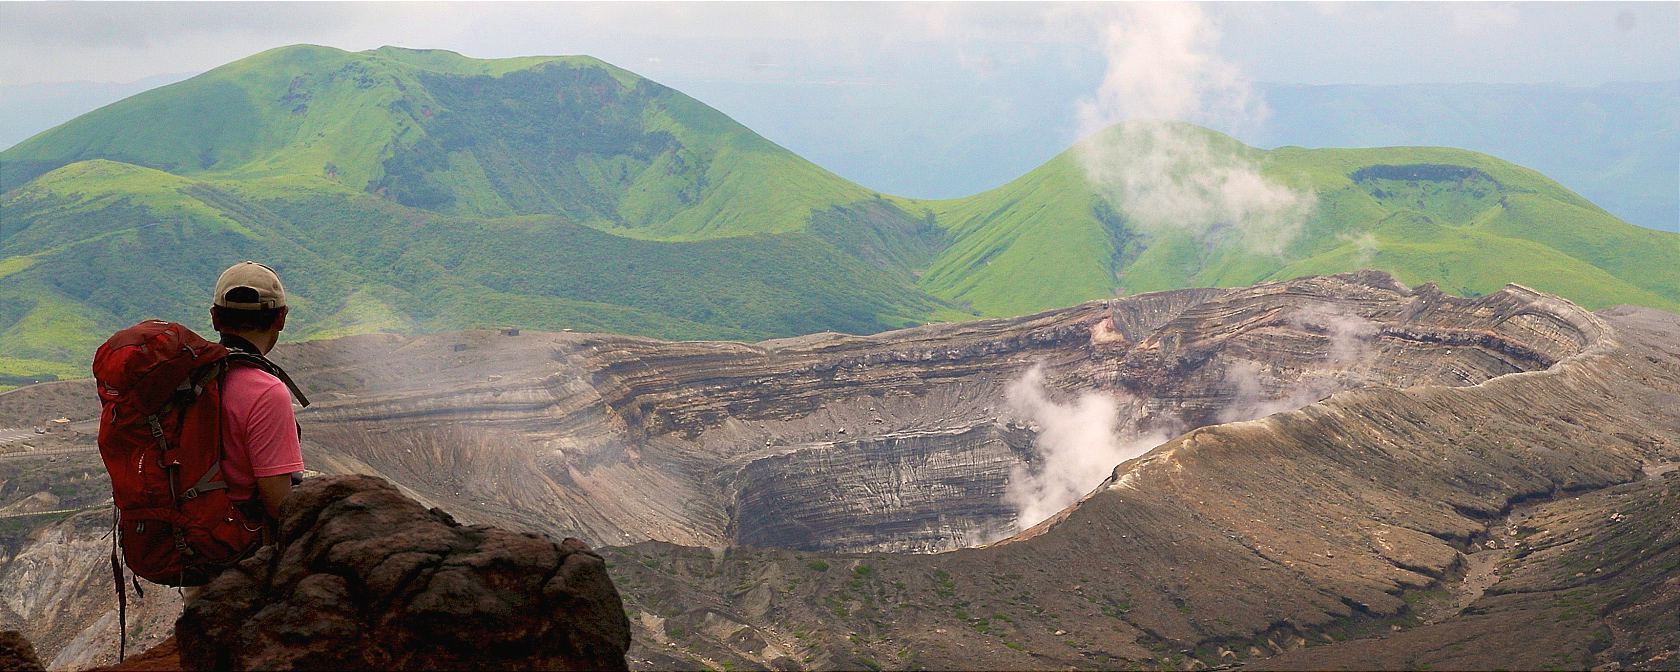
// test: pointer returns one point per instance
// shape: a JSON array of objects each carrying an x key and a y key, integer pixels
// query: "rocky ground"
[
  {"x": 1523, "y": 523},
  {"x": 1352, "y": 470}
]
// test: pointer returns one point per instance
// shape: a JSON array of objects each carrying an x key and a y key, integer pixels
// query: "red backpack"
[{"x": 160, "y": 435}]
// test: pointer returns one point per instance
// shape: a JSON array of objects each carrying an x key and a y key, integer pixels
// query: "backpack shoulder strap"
[{"x": 240, "y": 357}]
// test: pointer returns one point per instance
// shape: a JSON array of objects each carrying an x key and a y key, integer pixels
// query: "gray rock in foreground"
[{"x": 364, "y": 577}]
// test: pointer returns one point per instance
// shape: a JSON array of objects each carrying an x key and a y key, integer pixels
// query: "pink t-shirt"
[{"x": 259, "y": 433}]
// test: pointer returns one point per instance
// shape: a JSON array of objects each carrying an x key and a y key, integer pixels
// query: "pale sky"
[
  {"x": 1313, "y": 43},
  {"x": 931, "y": 100}
]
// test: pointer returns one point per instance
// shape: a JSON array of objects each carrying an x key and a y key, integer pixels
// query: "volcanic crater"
[
  {"x": 902, "y": 441},
  {"x": 1317, "y": 461}
]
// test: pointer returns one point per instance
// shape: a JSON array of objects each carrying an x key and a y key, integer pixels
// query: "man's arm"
[
  {"x": 272, "y": 490},
  {"x": 272, "y": 434}
]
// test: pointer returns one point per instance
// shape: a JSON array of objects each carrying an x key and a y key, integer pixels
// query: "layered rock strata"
[
  {"x": 1526, "y": 520},
  {"x": 1343, "y": 445},
  {"x": 623, "y": 439}
]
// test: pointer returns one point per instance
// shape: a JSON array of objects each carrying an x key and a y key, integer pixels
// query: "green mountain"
[
  {"x": 409, "y": 190},
  {"x": 1466, "y": 221}
]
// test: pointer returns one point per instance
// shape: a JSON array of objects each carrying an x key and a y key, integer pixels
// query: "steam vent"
[
  {"x": 1328, "y": 472},
  {"x": 900, "y": 442}
]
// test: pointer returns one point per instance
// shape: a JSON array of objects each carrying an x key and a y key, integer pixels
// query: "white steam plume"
[
  {"x": 1350, "y": 334},
  {"x": 1078, "y": 445},
  {"x": 1364, "y": 246},
  {"x": 1350, "y": 345},
  {"x": 1162, "y": 175},
  {"x": 1251, "y": 395}
]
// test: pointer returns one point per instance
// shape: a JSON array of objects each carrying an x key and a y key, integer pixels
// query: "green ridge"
[
  {"x": 417, "y": 190},
  {"x": 1469, "y": 222}
]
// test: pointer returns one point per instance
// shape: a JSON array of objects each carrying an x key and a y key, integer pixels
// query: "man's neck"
[{"x": 254, "y": 343}]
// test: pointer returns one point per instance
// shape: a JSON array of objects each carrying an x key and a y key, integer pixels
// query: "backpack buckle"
[{"x": 191, "y": 493}]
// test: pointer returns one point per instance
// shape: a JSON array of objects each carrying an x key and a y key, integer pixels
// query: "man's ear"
[
  {"x": 215, "y": 321},
  {"x": 280, "y": 320}
]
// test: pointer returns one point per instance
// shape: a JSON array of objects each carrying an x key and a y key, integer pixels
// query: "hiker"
[
  {"x": 262, "y": 458},
  {"x": 198, "y": 437}
]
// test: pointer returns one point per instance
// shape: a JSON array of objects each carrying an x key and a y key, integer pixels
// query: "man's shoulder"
[{"x": 248, "y": 380}]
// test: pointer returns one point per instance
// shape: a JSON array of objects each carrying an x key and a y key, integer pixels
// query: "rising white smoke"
[
  {"x": 1255, "y": 393},
  {"x": 1364, "y": 248},
  {"x": 1078, "y": 445},
  {"x": 1162, "y": 175},
  {"x": 1350, "y": 334}
]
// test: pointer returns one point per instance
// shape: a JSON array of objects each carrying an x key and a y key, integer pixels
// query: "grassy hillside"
[
  {"x": 569, "y": 136},
  {"x": 1613, "y": 143},
  {"x": 402, "y": 190},
  {"x": 131, "y": 242},
  {"x": 1466, "y": 221}
]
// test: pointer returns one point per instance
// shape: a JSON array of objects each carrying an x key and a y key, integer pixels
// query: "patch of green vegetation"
[
  {"x": 12, "y": 265},
  {"x": 943, "y": 586},
  {"x": 1393, "y": 209},
  {"x": 408, "y": 190},
  {"x": 817, "y": 566},
  {"x": 17, "y": 372}
]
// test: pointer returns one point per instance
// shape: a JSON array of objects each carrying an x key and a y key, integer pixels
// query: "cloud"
[
  {"x": 1162, "y": 64},
  {"x": 1164, "y": 176},
  {"x": 1474, "y": 19}
]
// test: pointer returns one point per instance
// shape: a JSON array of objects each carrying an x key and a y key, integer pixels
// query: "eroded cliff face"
[
  {"x": 59, "y": 592},
  {"x": 1524, "y": 521},
  {"x": 896, "y": 442}
]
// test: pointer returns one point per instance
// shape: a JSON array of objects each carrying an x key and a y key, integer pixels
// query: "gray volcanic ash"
[{"x": 776, "y": 503}]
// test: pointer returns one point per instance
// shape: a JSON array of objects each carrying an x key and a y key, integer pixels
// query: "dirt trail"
[{"x": 1482, "y": 566}]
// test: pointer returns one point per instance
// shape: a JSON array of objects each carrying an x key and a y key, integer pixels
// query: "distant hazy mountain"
[
  {"x": 408, "y": 190},
  {"x": 27, "y": 109},
  {"x": 1616, "y": 144}
]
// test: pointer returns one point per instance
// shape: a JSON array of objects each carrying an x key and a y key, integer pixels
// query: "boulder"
[
  {"x": 362, "y": 577},
  {"x": 16, "y": 653}
]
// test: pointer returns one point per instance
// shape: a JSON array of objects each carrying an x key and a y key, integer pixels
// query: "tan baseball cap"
[{"x": 255, "y": 276}]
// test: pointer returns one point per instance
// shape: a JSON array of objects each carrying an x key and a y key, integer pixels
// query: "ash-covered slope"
[
  {"x": 1476, "y": 526},
  {"x": 1428, "y": 419},
  {"x": 897, "y": 442}
]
